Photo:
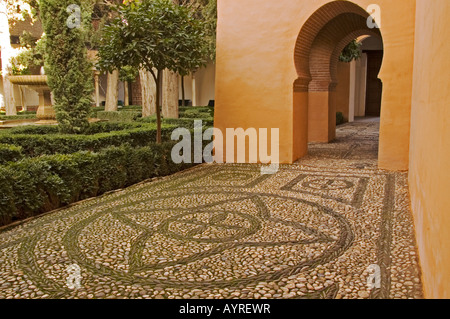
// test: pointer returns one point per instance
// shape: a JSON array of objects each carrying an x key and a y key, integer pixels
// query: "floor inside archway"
[{"x": 316, "y": 229}]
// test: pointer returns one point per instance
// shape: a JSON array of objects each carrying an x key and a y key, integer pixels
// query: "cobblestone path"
[{"x": 316, "y": 229}]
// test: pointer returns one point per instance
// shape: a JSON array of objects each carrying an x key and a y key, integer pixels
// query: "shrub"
[
  {"x": 195, "y": 115},
  {"x": 36, "y": 185},
  {"x": 95, "y": 110},
  {"x": 196, "y": 112},
  {"x": 66, "y": 64},
  {"x": 26, "y": 116},
  {"x": 32, "y": 129},
  {"x": 122, "y": 116},
  {"x": 105, "y": 127},
  {"x": 10, "y": 153},
  {"x": 189, "y": 123},
  {"x": 339, "y": 118},
  {"x": 47, "y": 144},
  {"x": 131, "y": 108},
  {"x": 94, "y": 128},
  {"x": 181, "y": 122}
]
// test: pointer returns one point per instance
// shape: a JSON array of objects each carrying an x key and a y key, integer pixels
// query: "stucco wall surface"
[
  {"x": 256, "y": 41},
  {"x": 429, "y": 173}
]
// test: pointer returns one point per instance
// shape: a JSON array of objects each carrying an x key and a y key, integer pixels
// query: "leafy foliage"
[
  {"x": 206, "y": 11},
  {"x": 31, "y": 55},
  {"x": 124, "y": 116},
  {"x": 19, "y": 10},
  {"x": 128, "y": 73},
  {"x": 351, "y": 52},
  {"x": 10, "y": 153},
  {"x": 340, "y": 118},
  {"x": 37, "y": 185},
  {"x": 68, "y": 70},
  {"x": 37, "y": 141},
  {"x": 153, "y": 35}
]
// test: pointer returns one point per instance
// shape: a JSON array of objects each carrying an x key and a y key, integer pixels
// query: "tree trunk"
[
  {"x": 158, "y": 108},
  {"x": 6, "y": 53},
  {"x": 112, "y": 92},
  {"x": 148, "y": 92},
  {"x": 183, "y": 92},
  {"x": 125, "y": 93},
  {"x": 194, "y": 91},
  {"x": 170, "y": 94}
]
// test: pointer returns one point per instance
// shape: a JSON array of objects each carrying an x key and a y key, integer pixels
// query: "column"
[
  {"x": 97, "y": 88},
  {"x": 194, "y": 91},
  {"x": 170, "y": 95}
]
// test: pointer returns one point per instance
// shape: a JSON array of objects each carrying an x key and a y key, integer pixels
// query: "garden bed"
[
  {"x": 46, "y": 140},
  {"x": 42, "y": 170}
]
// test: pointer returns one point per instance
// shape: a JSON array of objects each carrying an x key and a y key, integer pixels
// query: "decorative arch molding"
[
  {"x": 328, "y": 45},
  {"x": 343, "y": 43},
  {"x": 320, "y": 42},
  {"x": 313, "y": 26}
]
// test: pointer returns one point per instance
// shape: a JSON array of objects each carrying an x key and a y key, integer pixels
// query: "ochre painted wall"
[
  {"x": 256, "y": 71},
  {"x": 429, "y": 173}
]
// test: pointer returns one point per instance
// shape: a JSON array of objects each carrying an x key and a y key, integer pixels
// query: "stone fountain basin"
[
  {"x": 38, "y": 83},
  {"x": 29, "y": 80}
]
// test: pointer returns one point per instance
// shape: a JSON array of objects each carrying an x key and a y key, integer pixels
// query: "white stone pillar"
[
  {"x": 97, "y": 88},
  {"x": 194, "y": 91},
  {"x": 148, "y": 92},
  {"x": 170, "y": 95},
  {"x": 112, "y": 91},
  {"x": 6, "y": 53},
  {"x": 352, "y": 95},
  {"x": 363, "y": 90}
]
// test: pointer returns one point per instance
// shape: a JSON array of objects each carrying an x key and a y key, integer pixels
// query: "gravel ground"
[{"x": 311, "y": 231}]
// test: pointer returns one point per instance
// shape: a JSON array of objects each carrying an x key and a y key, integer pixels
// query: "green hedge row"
[
  {"x": 18, "y": 117},
  {"x": 94, "y": 128},
  {"x": 340, "y": 118},
  {"x": 96, "y": 110},
  {"x": 36, "y": 185},
  {"x": 10, "y": 153},
  {"x": 196, "y": 108},
  {"x": 35, "y": 142},
  {"x": 123, "y": 116},
  {"x": 181, "y": 122}
]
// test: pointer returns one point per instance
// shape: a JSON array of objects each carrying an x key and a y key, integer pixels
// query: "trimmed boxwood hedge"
[
  {"x": 123, "y": 116},
  {"x": 48, "y": 170},
  {"x": 94, "y": 128},
  {"x": 36, "y": 141},
  {"x": 181, "y": 122},
  {"x": 36, "y": 185},
  {"x": 25, "y": 115},
  {"x": 10, "y": 153}
]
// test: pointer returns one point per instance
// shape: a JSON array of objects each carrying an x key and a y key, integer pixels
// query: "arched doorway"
[
  {"x": 373, "y": 52},
  {"x": 318, "y": 47}
]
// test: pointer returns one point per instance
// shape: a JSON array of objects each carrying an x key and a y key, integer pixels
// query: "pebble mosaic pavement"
[{"x": 225, "y": 231}]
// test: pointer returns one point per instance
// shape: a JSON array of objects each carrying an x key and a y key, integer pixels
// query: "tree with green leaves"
[
  {"x": 11, "y": 11},
  {"x": 127, "y": 74},
  {"x": 66, "y": 64},
  {"x": 351, "y": 52},
  {"x": 154, "y": 36},
  {"x": 31, "y": 55},
  {"x": 206, "y": 11}
]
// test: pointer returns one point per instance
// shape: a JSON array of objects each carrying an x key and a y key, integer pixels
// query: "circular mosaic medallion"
[
  {"x": 211, "y": 226},
  {"x": 187, "y": 241}
]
